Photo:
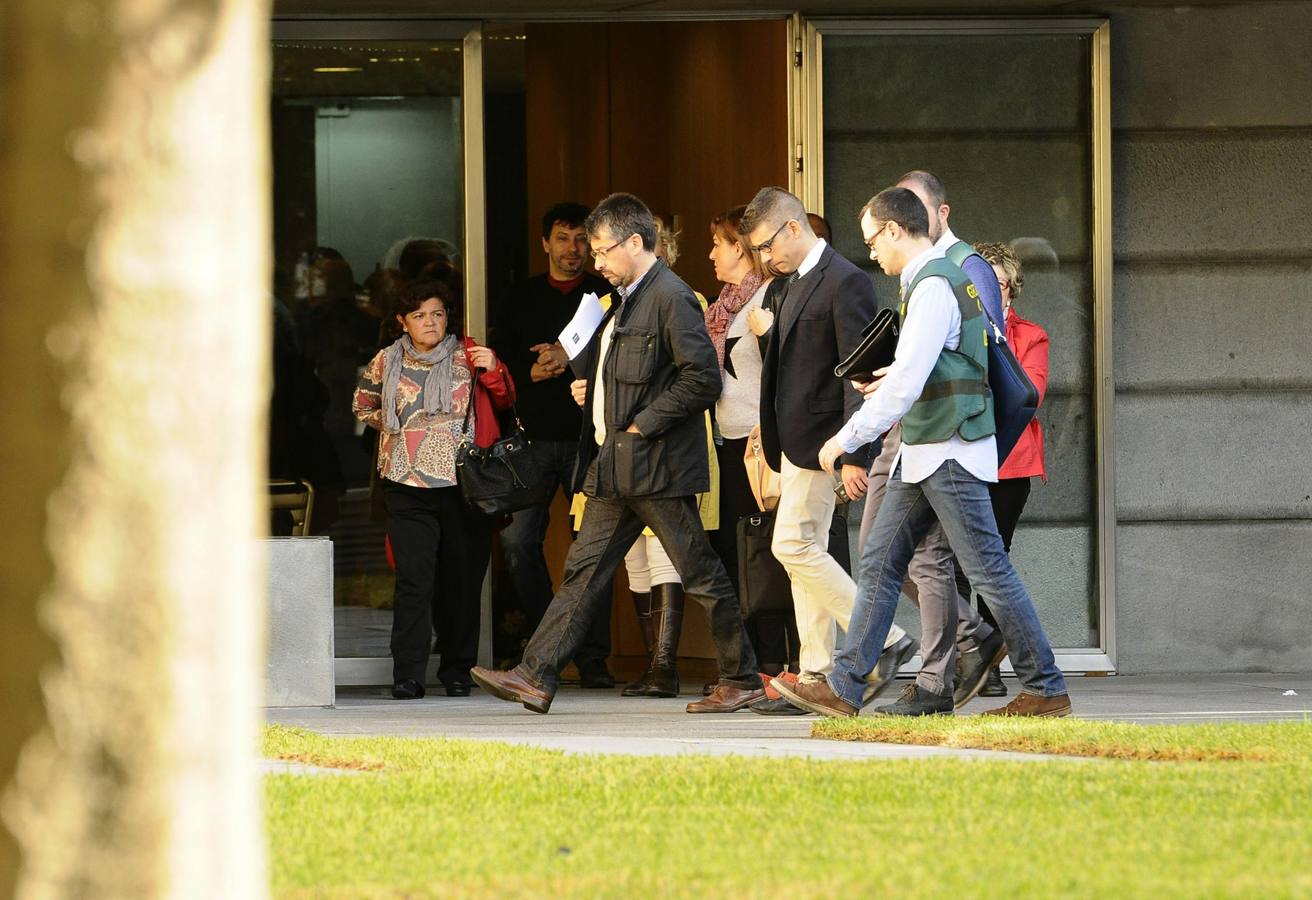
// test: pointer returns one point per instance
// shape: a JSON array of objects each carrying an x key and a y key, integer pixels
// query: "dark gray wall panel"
[
  {"x": 1216, "y": 326},
  {"x": 1193, "y": 195},
  {"x": 1214, "y": 456},
  {"x": 1238, "y": 66},
  {"x": 1198, "y": 597}
]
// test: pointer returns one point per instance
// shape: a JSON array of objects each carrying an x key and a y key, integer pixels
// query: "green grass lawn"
[{"x": 437, "y": 818}]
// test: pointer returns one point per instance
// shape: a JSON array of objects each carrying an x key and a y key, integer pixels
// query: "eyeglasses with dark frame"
[
  {"x": 598, "y": 254},
  {"x": 870, "y": 244},
  {"x": 766, "y": 245}
]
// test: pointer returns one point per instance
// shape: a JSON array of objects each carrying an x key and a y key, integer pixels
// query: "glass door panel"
[
  {"x": 1005, "y": 121},
  {"x": 368, "y": 190}
]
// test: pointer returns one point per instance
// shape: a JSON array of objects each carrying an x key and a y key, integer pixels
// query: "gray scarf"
[{"x": 436, "y": 392}]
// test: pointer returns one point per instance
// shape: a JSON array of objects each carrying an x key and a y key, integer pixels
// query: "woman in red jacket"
[
  {"x": 416, "y": 391},
  {"x": 1030, "y": 344}
]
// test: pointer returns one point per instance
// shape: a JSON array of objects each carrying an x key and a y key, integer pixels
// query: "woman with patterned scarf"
[{"x": 417, "y": 391}]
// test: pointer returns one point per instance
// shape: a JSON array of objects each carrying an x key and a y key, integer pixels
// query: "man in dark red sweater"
[{"x": 526, "y": 340}]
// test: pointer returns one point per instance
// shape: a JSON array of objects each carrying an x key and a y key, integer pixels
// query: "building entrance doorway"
[
  {"x": 690, "y": 116},
  {"x": 397, "y": 149}
]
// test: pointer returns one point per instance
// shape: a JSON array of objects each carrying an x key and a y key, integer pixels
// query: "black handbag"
[
  {"x": 1015, "y": 398},
  {"x": 763, "y": 583},
  {"x": 503, "y": 478},
  {"x": 875, "y": 351}
]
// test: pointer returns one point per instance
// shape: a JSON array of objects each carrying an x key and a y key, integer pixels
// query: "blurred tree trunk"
[{"x": 133, "y": 338}]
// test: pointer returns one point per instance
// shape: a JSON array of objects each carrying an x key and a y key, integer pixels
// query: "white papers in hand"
[{"x": 580, "y": 328}]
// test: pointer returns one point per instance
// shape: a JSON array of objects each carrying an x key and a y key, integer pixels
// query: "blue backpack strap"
[{"x": 957, "y": 254}]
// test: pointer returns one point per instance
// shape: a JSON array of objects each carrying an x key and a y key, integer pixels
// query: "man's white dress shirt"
[{"x": 933, "y": 322}]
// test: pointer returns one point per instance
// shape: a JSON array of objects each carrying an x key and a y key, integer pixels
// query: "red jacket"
[
  {"x": 1030, "y": 344},
  {"x": 494, "y": 392}
]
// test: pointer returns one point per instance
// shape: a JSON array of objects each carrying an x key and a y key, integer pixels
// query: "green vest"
[{"x": 956, "y": 398}]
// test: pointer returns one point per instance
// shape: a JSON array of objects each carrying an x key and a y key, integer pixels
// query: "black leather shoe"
[
  {"x": 777, "y": 707},
  {"x": 974, "y": 668},
  {"x": 408, "y": 690},
  {"x": 890, "y": 661},
  {"x": 993, "y": 684},
  {"x": 457, "y": 688},
  {"x": 916, "y": 701},
  {"x": 594, "y": 675}
]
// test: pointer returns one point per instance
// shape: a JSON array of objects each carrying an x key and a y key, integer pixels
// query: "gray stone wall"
[{"x": 1212, "y": 192}]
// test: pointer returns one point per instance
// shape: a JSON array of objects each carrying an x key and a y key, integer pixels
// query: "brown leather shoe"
[
  {"x": 817, "y": 697},
  {"x": 726, "y": 699},
  {"x": 512, "y": 686},
  {"x": 1035, "y": 706}
]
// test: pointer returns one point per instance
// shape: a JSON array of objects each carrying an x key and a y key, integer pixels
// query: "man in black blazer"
[
  {"x": 819, "y": 322},
  {"x": 651, "y": 374}
]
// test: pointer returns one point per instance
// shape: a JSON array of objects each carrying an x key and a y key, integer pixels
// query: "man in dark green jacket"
[{"x": 651, "y": 375}]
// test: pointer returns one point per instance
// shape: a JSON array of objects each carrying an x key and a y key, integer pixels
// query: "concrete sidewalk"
[{"x": 603, "y": 722}]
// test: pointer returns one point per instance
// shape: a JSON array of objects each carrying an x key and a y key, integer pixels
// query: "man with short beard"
[{"x": 526, "y": 341}]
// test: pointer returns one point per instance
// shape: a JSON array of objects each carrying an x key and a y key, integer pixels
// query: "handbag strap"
[
  {"x": 469, "y": 409},
  {"x": 465, "y": 439},
  {"x": 757, "y": 477}
]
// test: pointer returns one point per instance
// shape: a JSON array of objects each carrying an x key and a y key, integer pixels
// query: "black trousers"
[
  {"x": 1009, "y": 496},
  {"x": 610, "y": 526},
  {"x": 526, "y": 566},
  {"x": 773, "y": 634},
  {"x": 441, "y": 548}
]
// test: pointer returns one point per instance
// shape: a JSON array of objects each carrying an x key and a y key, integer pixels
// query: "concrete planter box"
[{"x": 300, "y": 649}]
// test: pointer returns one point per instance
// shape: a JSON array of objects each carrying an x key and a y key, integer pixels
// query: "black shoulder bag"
[{"x": 502, "y": 478}]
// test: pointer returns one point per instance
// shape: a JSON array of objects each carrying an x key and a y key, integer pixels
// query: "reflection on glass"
[
  {"x": 1004, "y": 121},
  {"x": 367, "y": 193}
]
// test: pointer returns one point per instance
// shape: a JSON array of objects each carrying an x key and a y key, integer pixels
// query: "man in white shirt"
[{"x": 937, "y": 388}]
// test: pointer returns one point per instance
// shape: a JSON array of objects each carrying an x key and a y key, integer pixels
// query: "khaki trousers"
[{"x": 823, "y": 594}]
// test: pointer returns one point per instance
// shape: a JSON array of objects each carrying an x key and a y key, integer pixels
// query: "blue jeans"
[{"x": 960, "y": 502}]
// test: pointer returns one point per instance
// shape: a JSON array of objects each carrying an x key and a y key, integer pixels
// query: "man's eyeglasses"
[
  {"x": 870, "y": 244},
  {"x": 598, "y": 254},
  {"x": 766, "y": 245}
]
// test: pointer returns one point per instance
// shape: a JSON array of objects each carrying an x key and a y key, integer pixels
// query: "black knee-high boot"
[
  {"x": 642, "y": 606},
  {"x": 667, "y": 608}
]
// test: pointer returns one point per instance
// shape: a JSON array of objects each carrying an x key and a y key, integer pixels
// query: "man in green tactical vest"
[{"x": 938, "y": 389}]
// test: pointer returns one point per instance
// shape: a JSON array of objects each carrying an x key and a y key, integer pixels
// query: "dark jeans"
[
  {"x": 773, "y": 634},
  {"x": 1008, "y": 496},
  {"x": 610, "y": 526},
  {"x": 441, "y": 548},
  {"x": 526, "y": 567}
]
